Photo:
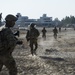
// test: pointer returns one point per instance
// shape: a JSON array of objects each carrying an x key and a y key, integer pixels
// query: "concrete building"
[
  {"x": 45, "y": 21},
  {"x": 24, "y": 21}
]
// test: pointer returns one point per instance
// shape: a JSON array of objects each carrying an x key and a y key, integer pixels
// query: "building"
[
  {"x": 45, "y": 21},
  {"x": 24, "y": 21}
]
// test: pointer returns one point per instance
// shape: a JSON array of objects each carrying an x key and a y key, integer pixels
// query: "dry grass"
[{"x": 55, "y": 62}]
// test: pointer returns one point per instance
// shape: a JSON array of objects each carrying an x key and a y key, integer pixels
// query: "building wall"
[{"x": 25, "y": 21}]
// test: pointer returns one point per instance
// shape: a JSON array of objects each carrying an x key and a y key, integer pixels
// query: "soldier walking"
[
  {"x": 59, "y": 29},
  {"x": 44, "y": 33},
  {"x": 55, "y": 31},
  {"x": 32, "y": 36},
  {"x": 0, "y": 19},
  {"x": 9, "y": 42}
]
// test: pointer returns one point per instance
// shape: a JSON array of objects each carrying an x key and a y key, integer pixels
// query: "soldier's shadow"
[{"x": 51, "y": 58}]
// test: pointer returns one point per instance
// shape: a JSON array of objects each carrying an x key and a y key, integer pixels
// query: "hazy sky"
[{"x": 36, "y": 8}]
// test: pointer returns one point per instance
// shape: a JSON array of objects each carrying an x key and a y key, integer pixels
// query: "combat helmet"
[
  {"x": 10, "y": 18},
  {"x": 32, "y": 25}
]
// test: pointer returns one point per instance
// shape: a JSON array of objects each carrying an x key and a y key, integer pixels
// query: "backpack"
[
  {"x": 55, "y": 30},
  {"x": 34, "y": 33}
]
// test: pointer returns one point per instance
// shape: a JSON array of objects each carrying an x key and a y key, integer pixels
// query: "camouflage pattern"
[
  {"x": 8, "y": 44},
  {"x": 32, "y": 36},
  {"x": 34, "y": 33},
  {"x": 44, "y": 33},
  {"x": 9, "y": 62},
  {"x": 33, "y": 42},
  {"x": 55, "y": 31}
]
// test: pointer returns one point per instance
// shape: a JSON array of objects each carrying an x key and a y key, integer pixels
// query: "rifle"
[{"x": 17, "y": 33}]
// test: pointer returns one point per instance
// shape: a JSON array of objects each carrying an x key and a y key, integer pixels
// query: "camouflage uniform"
[
  {"x": 59, "y": 29},
  {"x": 55, "y": 31},
  {"x": 44, "y": 33},
  {"x": 31, "y": 36},
  {"x": 9, "y": 43},
  {"x": 0, "y": 19}
]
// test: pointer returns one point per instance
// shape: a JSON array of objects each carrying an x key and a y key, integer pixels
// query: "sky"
[{"x": 34, "y": 9}]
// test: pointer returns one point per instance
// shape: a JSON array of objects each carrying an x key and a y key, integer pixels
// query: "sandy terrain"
[{"x": 54, "y": 56}]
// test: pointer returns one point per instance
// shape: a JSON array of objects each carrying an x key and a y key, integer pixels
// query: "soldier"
[
  {"x": 0, "y": 19},
  {"x": 59, "y": 29},
  {"x": 55, "y": 31},
  {"x": 32, "y": 36},
  {"x": 0, "y": 16},
  {"x": 9, "y": 42},
  {"x": 44, "y": 33}
]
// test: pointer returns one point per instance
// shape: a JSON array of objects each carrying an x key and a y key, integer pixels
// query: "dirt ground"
[{"x": 54, "y": 56}]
